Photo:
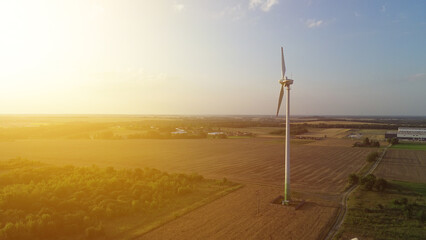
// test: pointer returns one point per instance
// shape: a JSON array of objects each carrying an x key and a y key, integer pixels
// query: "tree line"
[
  {"x": 40, "y": 201},
  {"x": 367, "y": 143}
]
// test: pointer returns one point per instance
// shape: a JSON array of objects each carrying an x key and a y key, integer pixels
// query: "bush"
[
  {"x": 294, "y": 130},
  {"x": 380, "y": 185},
  {"x": 353, "y": 179},
  {"x": 421, "y": 216},
  {"x": 372, "y": 156},
  {"x": 184, "y": 190},
  {"x": 95, "y": 232},
  {"x": 368, "y": 181},
  {"x": 367, "y": 143}
]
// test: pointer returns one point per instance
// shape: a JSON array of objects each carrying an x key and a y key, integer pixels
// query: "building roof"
[
  {"x": 216, "y": 133},
  {"x": 411, "y": 129}
]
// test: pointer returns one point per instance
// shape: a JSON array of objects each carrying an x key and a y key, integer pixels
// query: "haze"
[{"x": 212, "y": 57}]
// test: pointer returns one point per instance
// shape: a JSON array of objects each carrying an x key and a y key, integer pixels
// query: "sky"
[{"x": 347, "y": 57}]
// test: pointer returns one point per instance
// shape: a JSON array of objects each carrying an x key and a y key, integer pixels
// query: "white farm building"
[{"x": 416, "y": 134}]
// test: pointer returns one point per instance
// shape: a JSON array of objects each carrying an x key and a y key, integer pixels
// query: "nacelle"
[{"x": 286, "y": 81}]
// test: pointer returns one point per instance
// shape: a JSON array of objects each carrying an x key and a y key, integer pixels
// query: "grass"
[
  {"x": 238, "y": 137},
  {"x": 372, "y": 134},
  {"x": 419, "y": 188},
  {"x": 380, "y": 215},
  {"x": 329, "y": 132},
  {"x": 410, "y": 146}
]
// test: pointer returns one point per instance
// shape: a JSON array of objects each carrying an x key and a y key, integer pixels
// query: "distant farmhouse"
[
  {"x": 179, "y": 132},
  {"x": 406, "y": 133},
  {"x": 215, "y": 133}
]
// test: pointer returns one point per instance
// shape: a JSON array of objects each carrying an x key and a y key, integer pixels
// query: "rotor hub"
[{"x": 286, "y": 82}]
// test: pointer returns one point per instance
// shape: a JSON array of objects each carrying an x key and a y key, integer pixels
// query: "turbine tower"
[{"x": 285, "y": 82}]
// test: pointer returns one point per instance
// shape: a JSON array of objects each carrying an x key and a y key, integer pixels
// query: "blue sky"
[{"x": 213, "y": 57}]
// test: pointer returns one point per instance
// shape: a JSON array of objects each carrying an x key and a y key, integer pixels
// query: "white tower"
[{"x": 286, "y": 82}]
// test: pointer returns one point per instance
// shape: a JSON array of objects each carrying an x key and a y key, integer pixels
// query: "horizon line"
[{"x": 210, "y": 115}]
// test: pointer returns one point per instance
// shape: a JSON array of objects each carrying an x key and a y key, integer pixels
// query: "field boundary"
[
  {"x": 343, "y": 209},
  {"x": 137, "y": 232}
]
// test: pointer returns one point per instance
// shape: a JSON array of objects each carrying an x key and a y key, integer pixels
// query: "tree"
[
  {"x": 9, "y": 230},
  {"x": 366, "y": 141},
  {"x": 353, "y": 179},
  {"x": 368, "y": 181},
  {"x": 49, "y": 202},
  {"x": 95, "y": 232},
  {"x": 421, "y": 215},
  {"x": 380, "y": 185},
  {"x": 375, "y": 144},
  {"x": 372, "y": 156}
]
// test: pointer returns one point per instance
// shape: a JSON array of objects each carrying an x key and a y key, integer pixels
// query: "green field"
[
  {"x": 419, "y": 188},
  {"x": 410, "y": 146},
  {"x": 397, "y": 213}
]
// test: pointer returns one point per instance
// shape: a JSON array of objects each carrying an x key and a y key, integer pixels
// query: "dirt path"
[{"x": 343, "y": 209}]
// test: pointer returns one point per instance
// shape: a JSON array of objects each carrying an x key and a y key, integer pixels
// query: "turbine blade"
[
  {"x": 280, "y": 99},
  {"x": 282, "y": 63}
]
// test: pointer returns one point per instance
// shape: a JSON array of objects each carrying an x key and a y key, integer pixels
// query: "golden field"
[{"x": 319, "y": 170}]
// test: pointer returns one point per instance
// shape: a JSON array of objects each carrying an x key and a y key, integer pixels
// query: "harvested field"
[
  {"x": 235, "y": 217},
  {"x": 333, "y": 122},
  {"x": 404, "y": 165},
  {"x": 336, "y": 142},
  {"x": 318, "y": 175},
  {"x": 329, "y": 132},
  {"x": 372, "y": 134},
  {"x": 314, "y": 168},
  {"x": 258, "y": 131}
]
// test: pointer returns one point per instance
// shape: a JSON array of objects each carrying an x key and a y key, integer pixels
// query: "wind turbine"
[{"x": 285, "y": 82}]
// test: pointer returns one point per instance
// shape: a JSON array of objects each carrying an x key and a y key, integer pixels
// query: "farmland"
[
  {"x": 318, "y": 175},
  {"x": 235, "y": 217},
  {"x": 412, "y": 146},
  {"x": 397, "y": 213},
  {"x": 216, "y": 120},
  {"x": 327, "y": 132},
  {"x": 314, "y": 168},
  {"x": 404, "y": 165},
  {"x": 319, "y": 169}
]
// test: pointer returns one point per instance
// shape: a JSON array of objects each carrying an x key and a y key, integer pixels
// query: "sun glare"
[{"x": 159, "y": 119}]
